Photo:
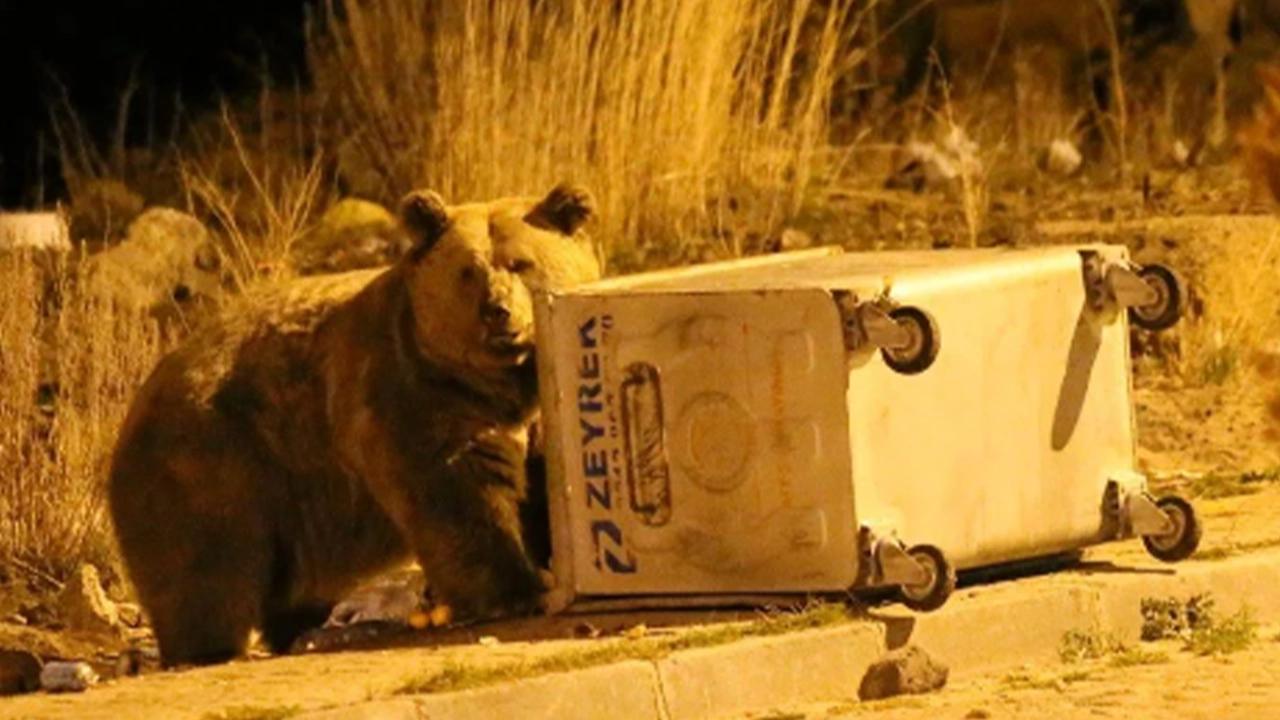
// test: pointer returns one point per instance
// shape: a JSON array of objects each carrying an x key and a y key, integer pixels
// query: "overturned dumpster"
[{"x": 819, "y": 422}]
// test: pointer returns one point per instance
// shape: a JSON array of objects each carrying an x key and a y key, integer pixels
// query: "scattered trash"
[
  {"x": 1061, "y": 158},
  {"x": 441, "y": 615},
  {"x": 67, "y": 677},
  {"x": 586, "y": 630},
  {"x": 399, "y": 597},
  {"x": 1181, "y": 154},
  {"x": 419, "y": 620},
  {"x": 489, "y": 641},
  {"x": 935, "y": 165},
  {"x": 636, "y": 632}
]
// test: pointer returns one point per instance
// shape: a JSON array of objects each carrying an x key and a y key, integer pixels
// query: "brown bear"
[{"x": 330, "y": 428}]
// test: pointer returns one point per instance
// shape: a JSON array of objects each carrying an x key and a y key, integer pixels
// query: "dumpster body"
[{"x": 803, "y": 423}]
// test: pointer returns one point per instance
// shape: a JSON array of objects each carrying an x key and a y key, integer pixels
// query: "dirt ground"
[
  {"x": 1240, "y": 686},
  {"x": 1247, "y": 517}
]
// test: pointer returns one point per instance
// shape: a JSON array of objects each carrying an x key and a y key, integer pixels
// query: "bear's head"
[{"x": 472, "y": 269}]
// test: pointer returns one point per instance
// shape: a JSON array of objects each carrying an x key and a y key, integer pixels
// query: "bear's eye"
[
  {"x": 469, "y": 274},
  {"x": 521, "y": 265}
]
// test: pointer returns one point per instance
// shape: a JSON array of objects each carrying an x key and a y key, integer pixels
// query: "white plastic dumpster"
[{"x": 823, "y": 422}]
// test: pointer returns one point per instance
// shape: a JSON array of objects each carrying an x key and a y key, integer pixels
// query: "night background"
[{"x": 186, "y": 55}]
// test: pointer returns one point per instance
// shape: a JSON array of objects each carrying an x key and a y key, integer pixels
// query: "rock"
[
  {"x": 84, "y": 605},
  {"x": 19, "y": 672},
  {"x": 907, "y": 670},
  {"x": 130, "y": 614},
  {"x": 788, "y": 239},
  {"x": 358, "y": 174},
  {"x": 101, "y": 210},
  {"x": 351, "y": 235},
  {"x": 167, "y": 263},
  {"x": 67, "y": 677}
]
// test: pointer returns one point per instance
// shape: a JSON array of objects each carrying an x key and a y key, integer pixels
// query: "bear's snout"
[
  {"x": 506, "y": 313},
  {"x": 495, "y": 314},
  {"x": 505, "y": 329}
]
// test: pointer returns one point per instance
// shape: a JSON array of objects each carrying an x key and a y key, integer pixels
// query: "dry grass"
[
  {"x": 54, "y": 450},
  {"x": 1261, "y": 138},
  {"x": 262, "y": 198},
  {"x": 1119, "y": 118},
  {"x": 1241, "y": 313},
  {"x": 680, "y": 114}
]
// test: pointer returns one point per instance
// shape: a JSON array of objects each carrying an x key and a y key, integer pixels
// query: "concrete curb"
[
  {"x": 627, "y": 690},
  {"x": 980, "y": 630}
]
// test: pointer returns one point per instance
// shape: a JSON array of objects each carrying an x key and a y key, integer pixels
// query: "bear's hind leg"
[
  {"x": 200, "y": 628},
  {"x": 193, "y": 540}
]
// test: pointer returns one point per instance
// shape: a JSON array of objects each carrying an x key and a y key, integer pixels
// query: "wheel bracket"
[
  {"x": 1129, "y": 289},
  {"x": 1145, "y": 518},
  {"x": 881, "y": 330},
  {"x": 869, "y": 323},
  {"x": 895, "y": 567}
]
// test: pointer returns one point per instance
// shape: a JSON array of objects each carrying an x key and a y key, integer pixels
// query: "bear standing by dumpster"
[{"x": 333, "y": 427}]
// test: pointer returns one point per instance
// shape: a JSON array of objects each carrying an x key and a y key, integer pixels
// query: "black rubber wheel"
[
  {"x": 1165, "y": 311},
  {"x": 933, "y": 593},
  {"x": 925, "y": 341},
  {"x": 1185, "y": 537}
]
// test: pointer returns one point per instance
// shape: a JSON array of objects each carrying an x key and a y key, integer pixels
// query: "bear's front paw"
[{"x": 497, "y": 455}]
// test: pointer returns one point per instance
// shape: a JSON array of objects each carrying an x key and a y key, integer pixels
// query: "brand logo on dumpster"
[{"x": 601, "y": 457}]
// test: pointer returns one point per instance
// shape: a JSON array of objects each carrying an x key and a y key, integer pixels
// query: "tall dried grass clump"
[
  {"x": 260, "y": 186},
  {"x": 1241, "y": 311},
  {"x": 55, "y": 450},
  {"x": 676, "y": 112}
]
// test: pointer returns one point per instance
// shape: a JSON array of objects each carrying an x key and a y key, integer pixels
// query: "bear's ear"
[
  {"x": 425, "y": 216},
  {"x": 566, "y": 208}
]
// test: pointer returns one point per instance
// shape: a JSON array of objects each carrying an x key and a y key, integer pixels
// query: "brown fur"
[{"x": 331, "y": 428}]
